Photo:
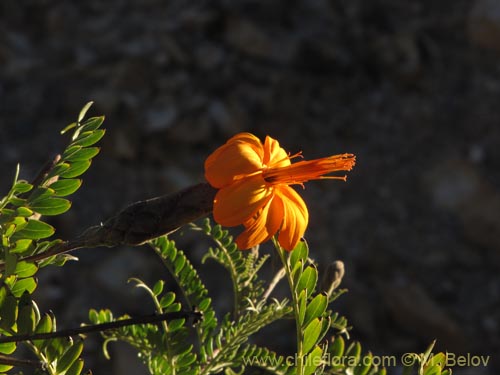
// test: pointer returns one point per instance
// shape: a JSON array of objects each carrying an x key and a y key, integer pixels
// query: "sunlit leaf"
[
  {"x": 75, "y": 368},
  {"x": 84, "y": 110},
  {"x": 302, "y": 304},
  {"x": 65, "y": 187},
  {"x": 316, "y": 308},
  {"x": 24, "y": 211},
  {"x": 76, "y": 169},
  {"x": 167, "y": 299},
  {"x": 364, "y": 366},
  {"x": 300, "y": 252},
  {"x": 24, "y": 285},
  {"x": 433, "y": 370},
  {"x": 50, "y": 206},
  {"x": 8, "y": 347},
  {"x": 34, "y": 230},
  {"x": 89, "y": 138},
  {"x": 69, "y": 357},
  {"x": 69, "y": 127},
  {"x": 25, "y": 269},
  {"x": 311, "y": 334},
  {"x": 5, "y": 368},
  {"x": 22, "y": 187},
  {"x": 158, "y": 287},
  {"x": 58, "y": 169},
  {"x": 15, "y": 201},
  {"x": 41, "y": 192},
  {"x": 83, "y": 154},
  {"x": 313, "y": 360},
  {"x": 308, "y": 280},
  {"x": 92, "y": 123},
  {"x": 337, "y": 347}
]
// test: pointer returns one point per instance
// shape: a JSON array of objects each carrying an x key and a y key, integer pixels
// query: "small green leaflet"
[
  {"x": 50, "y": 206},
  {"x": 65, "y": 187},
  {"x": 34, "y": 230}
]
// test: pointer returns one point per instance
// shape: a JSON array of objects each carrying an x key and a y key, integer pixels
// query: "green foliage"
[
  {"x": 242, "y": 267},
  {"x": 22, "y": 231},
  {"x": 190, "y": 337},
  {"x": 218, "y": 346},
  {"x": 314, "y": 322},
  {"x": 426, "y": 363}
]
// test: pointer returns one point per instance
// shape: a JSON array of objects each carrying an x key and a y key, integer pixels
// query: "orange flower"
[{"x": 254, "y": 180}]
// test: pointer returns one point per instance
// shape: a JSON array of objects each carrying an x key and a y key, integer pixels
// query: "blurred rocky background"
[{"x": 412, "y": 88}]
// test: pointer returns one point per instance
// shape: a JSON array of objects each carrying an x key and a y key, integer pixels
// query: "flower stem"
[{"x": 295, "y": 303}]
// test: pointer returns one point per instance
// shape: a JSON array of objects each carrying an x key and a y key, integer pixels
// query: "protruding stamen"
[{"x": 310, "y": 170}]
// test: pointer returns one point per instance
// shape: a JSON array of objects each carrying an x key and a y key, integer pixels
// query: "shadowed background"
[{"x": 411, "y": 88}]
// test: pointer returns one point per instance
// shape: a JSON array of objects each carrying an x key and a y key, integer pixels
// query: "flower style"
[{"x": 254, "y": 188}]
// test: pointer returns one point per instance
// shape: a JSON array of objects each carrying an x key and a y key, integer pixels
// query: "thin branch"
[
  {"x": 46, "y": 169},
  {"x": 276, "y": 279},
  {"x": 103, "y": 326},
  {"x": 11, "y": 361}
]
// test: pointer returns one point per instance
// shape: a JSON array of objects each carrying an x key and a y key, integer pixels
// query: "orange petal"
[
  {"x": 263, "y": 227},
  {"x": 241, "y": 155},
  {"x": 274, "y": 155},
  {"x": 295, "y": 219},
  {"x": 236, "y": 203}
]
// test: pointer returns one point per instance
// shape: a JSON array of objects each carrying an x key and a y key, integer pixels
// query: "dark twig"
[
  {"x": 8, "y": 360},
  {"x": 103, "y": 326},
  {"x": 46, "y": 169}
]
